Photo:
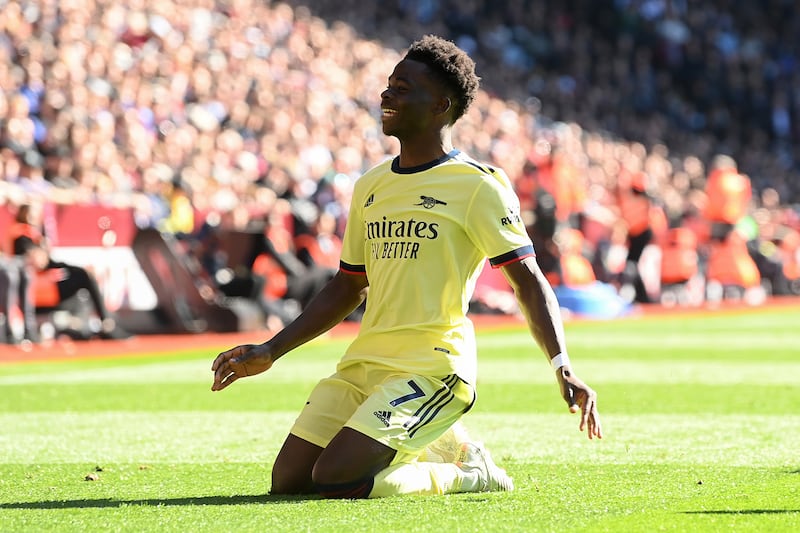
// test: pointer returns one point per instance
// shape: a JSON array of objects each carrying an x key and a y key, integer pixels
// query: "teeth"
[{"x": 388, "y": 112}]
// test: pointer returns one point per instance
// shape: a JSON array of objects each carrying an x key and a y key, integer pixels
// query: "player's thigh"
[
  {"x": 291, "y": 473},
  {"x": 408, "y": 412},
  {"x": 332, "y": 402},
  {"x": 329, "y": 406}
]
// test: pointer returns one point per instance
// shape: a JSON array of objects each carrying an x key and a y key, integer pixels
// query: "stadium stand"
[{"x": 165, "y": 113}]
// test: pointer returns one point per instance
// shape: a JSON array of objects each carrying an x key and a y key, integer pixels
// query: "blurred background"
[{"x": 186, "y": 166}]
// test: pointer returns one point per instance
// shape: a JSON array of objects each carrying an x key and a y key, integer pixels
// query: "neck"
[{"x": 424, "y": 149}]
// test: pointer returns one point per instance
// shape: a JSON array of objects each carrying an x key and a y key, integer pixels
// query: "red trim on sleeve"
[
  {"x": 512, "y": 256},
  {"x": 359, "y": 270},
  {"x": 513, "y": 260}
]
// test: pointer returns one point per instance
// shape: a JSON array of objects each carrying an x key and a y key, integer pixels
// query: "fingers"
[
  {"x": 595, "y": 428},
  {"x": 590, "y": 418},
  {"x": 585, "y": 401},
  {"x": 224, "y": 357},
  {"x": 224, "y": 374},
  {"x": 223, "y": 377},
  {"x": 585, "y": 412}
]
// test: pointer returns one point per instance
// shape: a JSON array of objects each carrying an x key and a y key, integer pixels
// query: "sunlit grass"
[{"x": 701, "y": 415}]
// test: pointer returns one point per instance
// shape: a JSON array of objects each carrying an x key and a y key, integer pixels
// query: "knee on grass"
[
  {"x": 331, "y": 482},
  {"x": 351, "y": 490}
]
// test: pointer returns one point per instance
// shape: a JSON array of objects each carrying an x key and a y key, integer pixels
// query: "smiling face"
[{"x": 412, "y": 104}]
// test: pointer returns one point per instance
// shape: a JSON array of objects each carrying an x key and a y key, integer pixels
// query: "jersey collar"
[{"x": 397, "y": 169}]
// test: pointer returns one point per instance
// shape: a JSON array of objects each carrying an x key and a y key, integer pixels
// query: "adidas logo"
[
  {"x": 369, "y": 200},
  {"x": 383, "y": 416}
]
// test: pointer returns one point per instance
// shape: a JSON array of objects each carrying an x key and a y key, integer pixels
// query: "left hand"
[{"x": 579, "y": 396}]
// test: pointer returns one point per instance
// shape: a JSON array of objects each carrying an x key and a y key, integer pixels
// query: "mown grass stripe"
[
  {"x": 621, "y": 371},
  {"x": 633, "y": 398},
  {"x": 200, "y": 437},
  {"x": 175, "y": 372},
  {"x": 533, "y": 369},
  {"x": 492, "y": 369},
  {"x": 654, "y": 341}
]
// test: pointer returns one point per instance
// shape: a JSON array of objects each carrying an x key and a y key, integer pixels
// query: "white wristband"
[{"x": 561, "y": 359}]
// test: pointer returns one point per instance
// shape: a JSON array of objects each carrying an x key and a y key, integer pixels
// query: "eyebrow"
[
  {"x": 396, "y": 76},
  {"x": 400, "y": 79}
]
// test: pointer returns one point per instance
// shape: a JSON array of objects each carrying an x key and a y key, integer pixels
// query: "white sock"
[{"x": 423, "y": 478}]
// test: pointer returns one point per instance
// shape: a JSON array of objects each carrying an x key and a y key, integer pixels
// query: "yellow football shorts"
[{"x": 406, "y": 412}]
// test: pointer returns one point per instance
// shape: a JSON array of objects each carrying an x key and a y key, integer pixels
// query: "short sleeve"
[
  {"x": 494, "y": 222},
  {"x": 352, "y": 259}
]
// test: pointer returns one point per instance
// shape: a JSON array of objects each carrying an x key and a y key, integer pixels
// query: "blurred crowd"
[
  {"x": 700, "y": 76},
  {"x": 204, "y": 115}
]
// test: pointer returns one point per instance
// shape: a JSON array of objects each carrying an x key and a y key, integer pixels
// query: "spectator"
[
  {"x": 246, "y": 99},
  {"x": 635, "y": 210},
  {"x": 320, "y": 247},
  {"x": 15, "y": 295},
  {"x": 232, "y": 278},
  {"x": 728, "y": 201},
  {"x": 729, "y": 194},
  {"x": 55, "y": 281},
  {"x": 287, "y": 277}
]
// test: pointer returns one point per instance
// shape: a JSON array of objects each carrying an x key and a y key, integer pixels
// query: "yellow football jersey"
[{"x": 421, "y": 236}]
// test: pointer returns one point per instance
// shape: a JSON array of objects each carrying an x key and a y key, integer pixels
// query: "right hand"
[{"x": 240, "y": 362}]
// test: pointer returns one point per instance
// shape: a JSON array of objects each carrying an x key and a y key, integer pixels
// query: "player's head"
[
  {"x": 429, "y": 89},
  {"x": 451, "y": 67}
]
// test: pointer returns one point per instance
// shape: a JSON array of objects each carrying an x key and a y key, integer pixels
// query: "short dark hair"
[{"x": 451, "y": 66}]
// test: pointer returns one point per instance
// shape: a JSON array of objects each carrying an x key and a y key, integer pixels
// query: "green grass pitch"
[{"x": 701, "y": 414}]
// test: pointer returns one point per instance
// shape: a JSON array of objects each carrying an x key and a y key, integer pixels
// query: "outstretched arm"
[
  {"x": 538, "y": 304},
  {"x": 333, "y": 304}
]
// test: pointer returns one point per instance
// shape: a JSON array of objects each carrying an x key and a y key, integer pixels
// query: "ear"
[{"x": 444, "y": 105}]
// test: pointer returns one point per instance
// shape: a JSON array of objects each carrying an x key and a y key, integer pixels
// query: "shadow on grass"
[
  {"x": 156, "y": 502},
  {"x": 746, "y": 511}
]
